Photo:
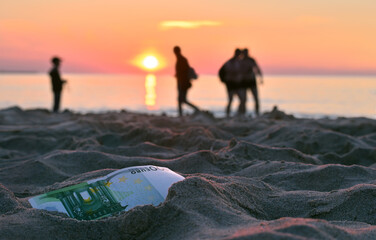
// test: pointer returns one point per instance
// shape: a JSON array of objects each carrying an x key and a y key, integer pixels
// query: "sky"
[{"x": 113, "y": 36}]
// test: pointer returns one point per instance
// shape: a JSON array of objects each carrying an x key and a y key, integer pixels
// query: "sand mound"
[{"x": 273, "y": 177}]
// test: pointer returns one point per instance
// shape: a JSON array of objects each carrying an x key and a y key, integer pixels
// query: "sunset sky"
[{"x": 291, "y": 36}]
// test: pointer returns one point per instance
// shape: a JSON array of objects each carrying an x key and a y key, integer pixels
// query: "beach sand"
[{"x": 273, "y": 177}]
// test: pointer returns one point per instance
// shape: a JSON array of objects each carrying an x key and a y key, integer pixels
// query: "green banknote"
[{"x": 119, "y": 191}]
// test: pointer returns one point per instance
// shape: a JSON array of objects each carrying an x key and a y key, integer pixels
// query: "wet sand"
[{"x": 273, "y": 177}]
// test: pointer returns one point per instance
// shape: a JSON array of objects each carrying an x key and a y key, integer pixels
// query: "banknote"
[{"x": 118, "y": 191}]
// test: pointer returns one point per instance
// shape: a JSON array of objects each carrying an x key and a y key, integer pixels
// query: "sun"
[{"x": 150, "y": 62}]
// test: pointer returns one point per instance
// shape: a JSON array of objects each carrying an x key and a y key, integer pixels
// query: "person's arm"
[
  {"x": 58, "y": 78},
  {"x": 257, "y": 71},
  {"x": 183, "y": 69},
  {"x": 62, "y": 81},
  {"x": 222, "y": 73}
]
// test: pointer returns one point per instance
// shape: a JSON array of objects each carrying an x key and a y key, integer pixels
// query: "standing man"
[
  {"x": 231, "y": 75},
  {"x": 250, "y": 69},
  {"x": 57, "y": 82},
  {"x": 182, "y": 69}
]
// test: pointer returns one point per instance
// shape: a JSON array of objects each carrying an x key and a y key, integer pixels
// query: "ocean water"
[{"x": 304, "y": 96}]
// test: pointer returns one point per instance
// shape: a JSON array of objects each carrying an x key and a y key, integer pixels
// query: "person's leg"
[
  {"x": 180, "y": 101},
  {"x": 56, "y": 101},
  {"x": 189, "y": 103},
  {"x": 242, "y": 94},
  {"x": 183, "y": 99},
  {"x": 230, "y": 95},
  {"x": 192, "y": 106},
  {"x": 255, "y": 97},
  {"x": 180, "y": 109}
]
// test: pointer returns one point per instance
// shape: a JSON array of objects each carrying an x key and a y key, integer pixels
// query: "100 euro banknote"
[{"x": 119, "y": 191}]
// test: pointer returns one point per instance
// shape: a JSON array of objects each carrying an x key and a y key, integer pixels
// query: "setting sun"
[{"x": 150, "y": 62}]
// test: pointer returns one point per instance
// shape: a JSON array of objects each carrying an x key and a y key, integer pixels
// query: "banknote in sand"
[{"x": 118, "y": 191}]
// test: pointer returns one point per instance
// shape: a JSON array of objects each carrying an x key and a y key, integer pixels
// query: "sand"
[{"x": 273, "y": 177}]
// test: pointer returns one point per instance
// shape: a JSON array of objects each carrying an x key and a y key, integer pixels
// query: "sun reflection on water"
[{"x": 150, "y": 93}]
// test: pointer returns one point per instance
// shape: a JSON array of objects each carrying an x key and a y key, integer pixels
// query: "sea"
[{"x": 311, "y": 96}]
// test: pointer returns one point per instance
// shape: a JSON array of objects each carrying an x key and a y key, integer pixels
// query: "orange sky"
[{"x": 290, "y": 36}]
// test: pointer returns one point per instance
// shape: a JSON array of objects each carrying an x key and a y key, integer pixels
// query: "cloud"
[{"x": 188, "y": 24}]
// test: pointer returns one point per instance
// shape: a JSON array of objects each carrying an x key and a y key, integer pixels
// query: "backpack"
[{"x": 192, "y": 75}]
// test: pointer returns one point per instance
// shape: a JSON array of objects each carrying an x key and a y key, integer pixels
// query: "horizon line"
[{"x": 139, "y": 73}]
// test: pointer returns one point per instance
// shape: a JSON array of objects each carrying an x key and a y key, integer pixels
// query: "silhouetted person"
[
  {"x": 231, "y": 74},
  {"x": 250, "y": 70},
  {"x": 57, "y": 82},
  {"x": 183, "y": 80}
]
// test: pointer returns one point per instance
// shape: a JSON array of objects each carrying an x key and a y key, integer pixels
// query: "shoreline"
[
  {"x": 307, "y": 97},
  {"x": 218, "y": 114}
]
